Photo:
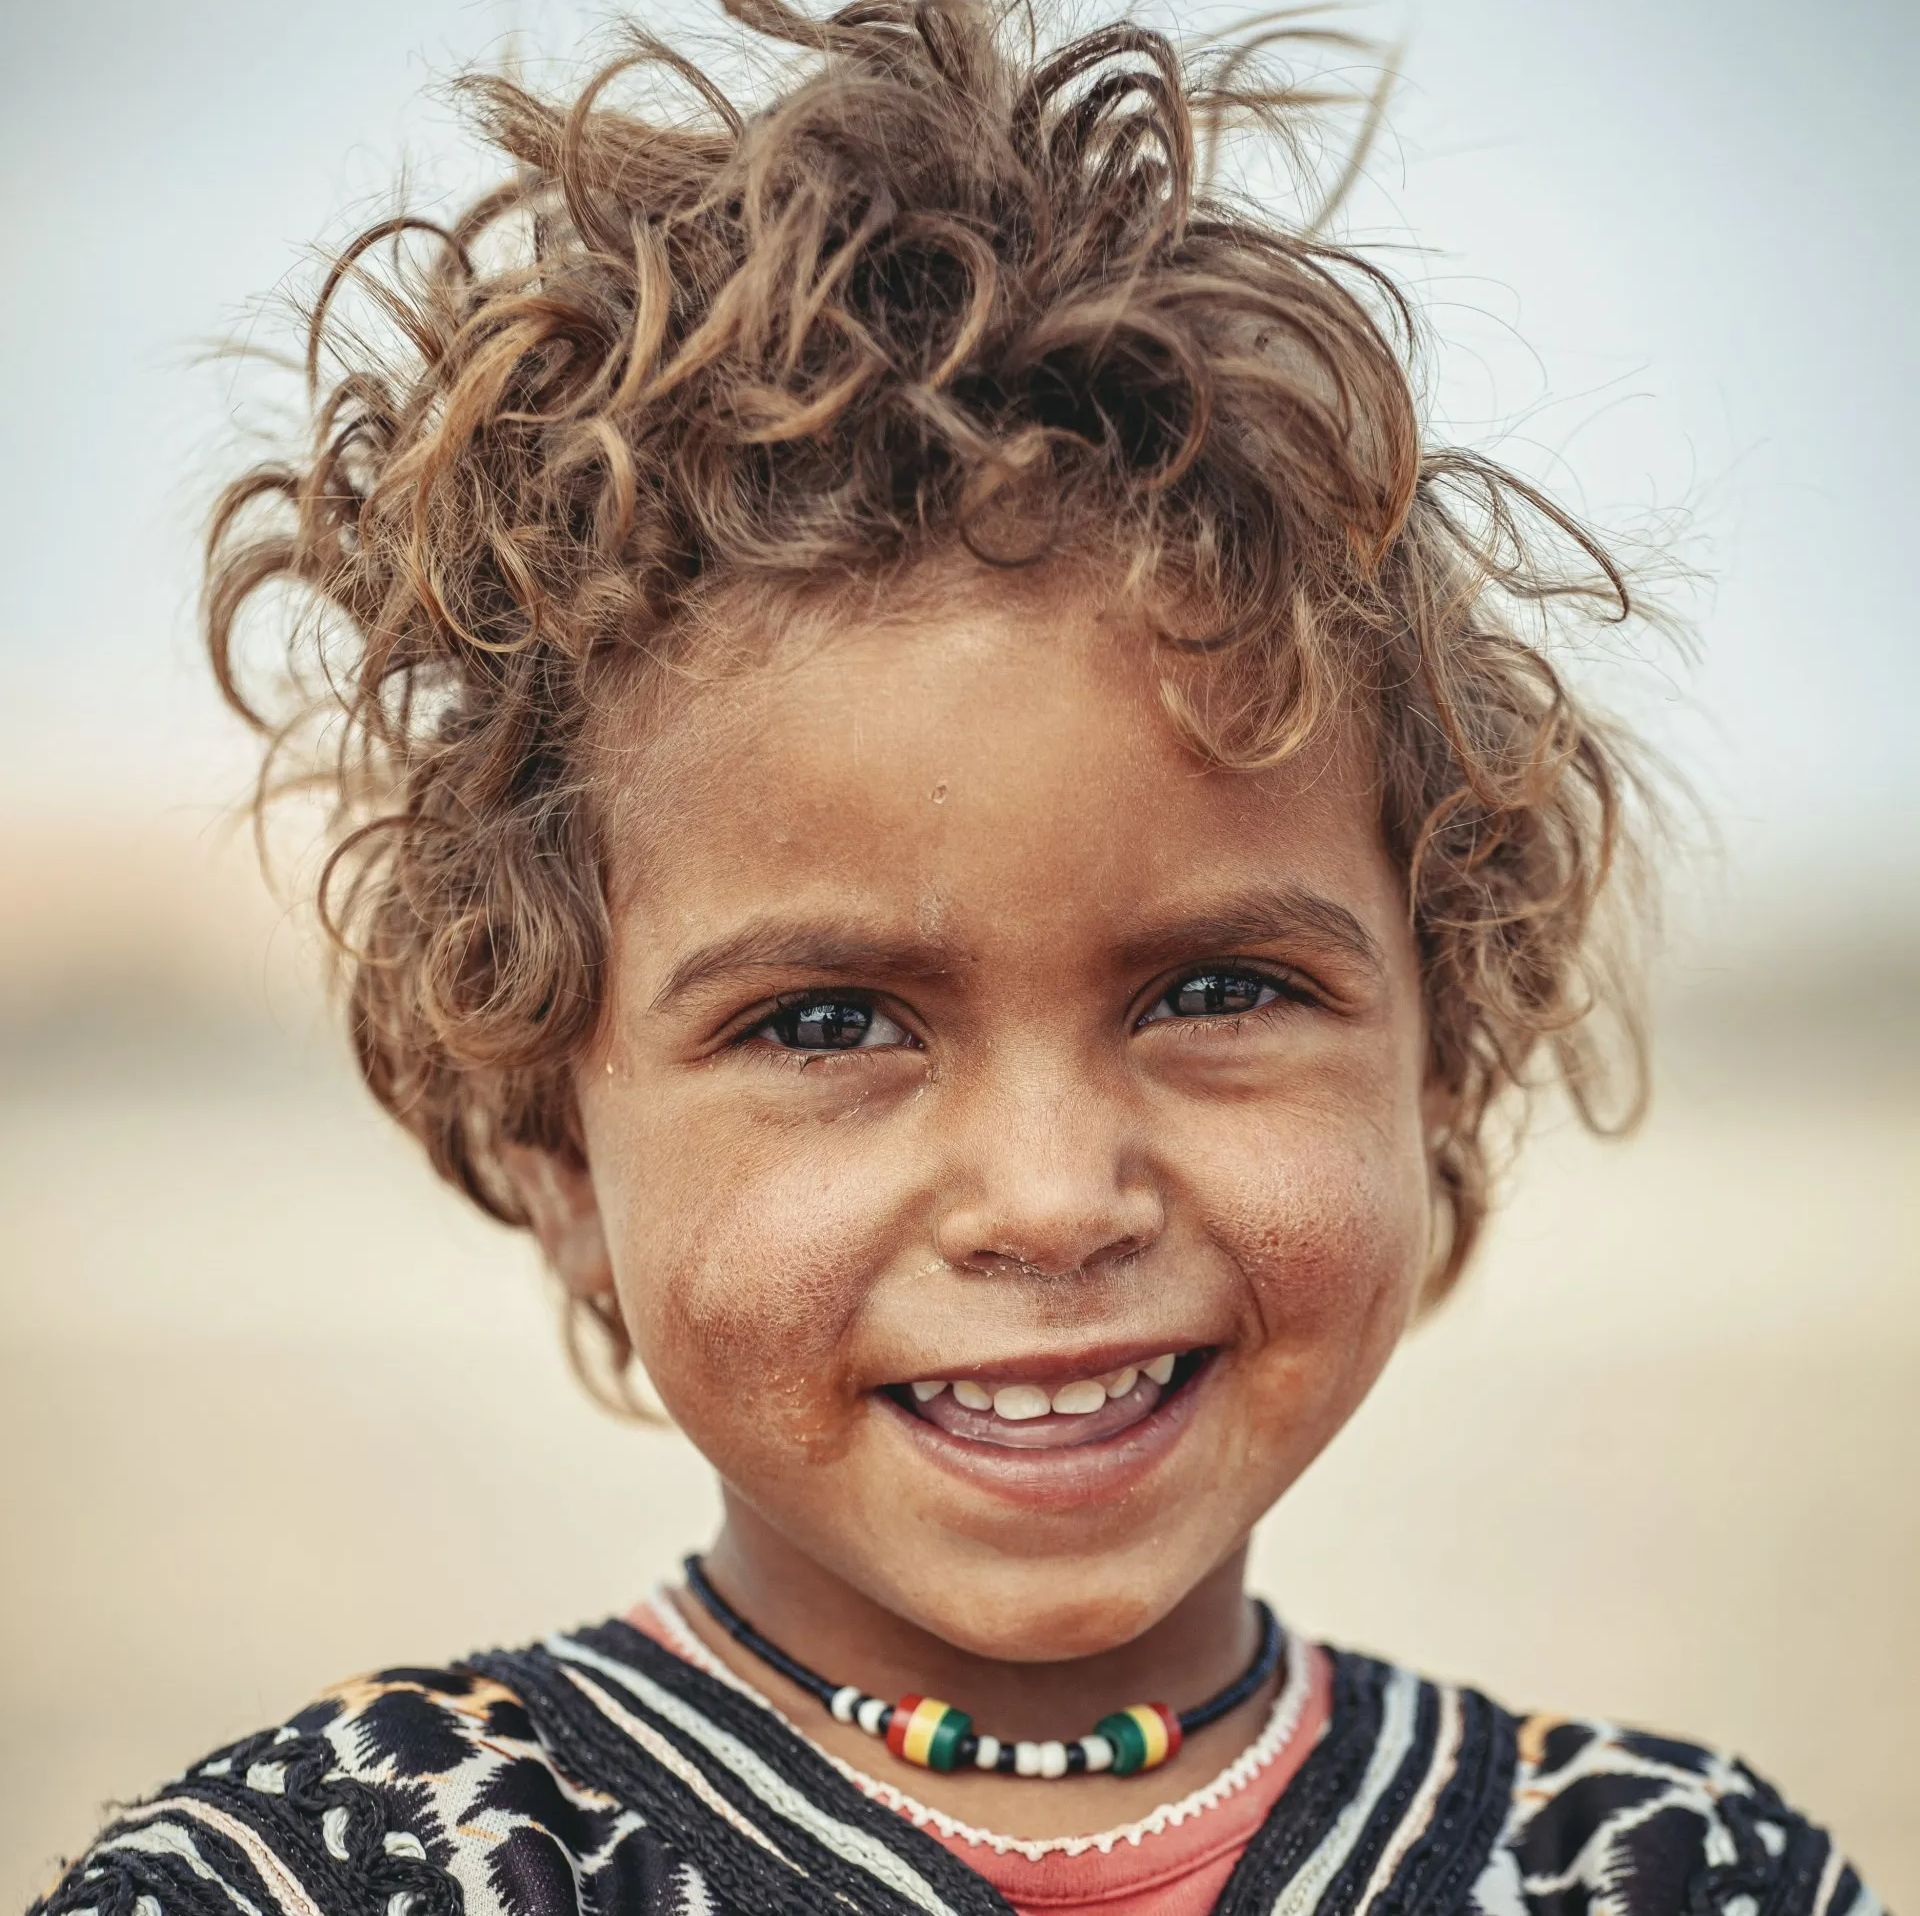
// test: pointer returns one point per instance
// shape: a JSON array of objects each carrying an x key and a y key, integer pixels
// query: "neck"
[{"x": 826, "y": 1623}]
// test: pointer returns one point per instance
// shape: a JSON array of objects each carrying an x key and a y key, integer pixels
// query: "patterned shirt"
[{"x": 599, "y": 1774}]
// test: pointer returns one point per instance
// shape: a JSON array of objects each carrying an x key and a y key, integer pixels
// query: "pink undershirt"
[{"x": 1157, "y": 1867}]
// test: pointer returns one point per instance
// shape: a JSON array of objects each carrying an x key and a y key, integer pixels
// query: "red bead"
[
  {"x": 897, "y": 1729},
  {"x": 1172, "y": 1722}
]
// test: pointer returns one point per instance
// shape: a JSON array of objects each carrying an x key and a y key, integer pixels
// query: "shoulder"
[
  {"x": 1651, "y": 1823},
  {"x": 411, "y": 1792},
  {"x": 1581, "y": 1814}
]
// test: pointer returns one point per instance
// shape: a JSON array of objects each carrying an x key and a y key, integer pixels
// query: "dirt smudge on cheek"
[
  {"x": 1331, "y": 1248},
  {"x": 754, "y": 1329},
  {"x": 1324, "y": 1241},
  {"x": 800, "y": 1410}
]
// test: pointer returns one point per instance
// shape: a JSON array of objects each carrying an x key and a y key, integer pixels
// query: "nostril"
[
  {"x": 1006, "y": 1261},
  {"x": 1014, "y": 1264}
]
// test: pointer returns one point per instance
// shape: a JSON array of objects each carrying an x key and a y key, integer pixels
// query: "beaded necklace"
[{"x": 924, "y": 1731}]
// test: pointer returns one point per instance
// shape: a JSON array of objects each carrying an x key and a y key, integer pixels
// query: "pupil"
[
  {"x": 1217, "y": 994},
  {"x": 825, "y": 1027}
]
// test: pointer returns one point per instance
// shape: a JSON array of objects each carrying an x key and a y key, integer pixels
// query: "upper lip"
[{"x": 1053, "y": 1367}]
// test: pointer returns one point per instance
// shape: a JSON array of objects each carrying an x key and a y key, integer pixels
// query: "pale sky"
[{"x": 1668, "y": 252}]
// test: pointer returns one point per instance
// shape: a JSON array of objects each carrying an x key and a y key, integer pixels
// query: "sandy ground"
[{"x": 276, "y": 1410}]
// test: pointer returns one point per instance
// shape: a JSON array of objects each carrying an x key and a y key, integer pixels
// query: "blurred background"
[{"x": 275, "y": 1408}]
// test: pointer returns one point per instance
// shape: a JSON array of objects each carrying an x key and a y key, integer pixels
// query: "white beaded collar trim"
[{"x": 1282, "y": 1723}]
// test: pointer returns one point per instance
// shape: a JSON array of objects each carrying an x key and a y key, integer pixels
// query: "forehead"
[{"x": 979, "y": 761}]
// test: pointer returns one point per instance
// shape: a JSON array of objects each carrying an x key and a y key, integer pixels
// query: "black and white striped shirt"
[{"x": 598, "y": 1774}]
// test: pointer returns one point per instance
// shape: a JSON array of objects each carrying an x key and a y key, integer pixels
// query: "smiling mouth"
[{"x": 1068, "y": 1414}]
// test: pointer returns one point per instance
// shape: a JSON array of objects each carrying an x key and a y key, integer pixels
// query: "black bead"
[
  {"x": 1076, "y": 1759},
  {"x": 965, "y": 1751},
  {"x": 1005, "y": 1764}
]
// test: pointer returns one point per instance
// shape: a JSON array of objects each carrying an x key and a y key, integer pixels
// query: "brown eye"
[
  {"x": 830, "y": 1024},
  {"x": 1215, "y": 994}
]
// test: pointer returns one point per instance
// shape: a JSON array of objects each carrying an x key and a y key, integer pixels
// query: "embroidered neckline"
[{"x": 1283, "y": 1722}]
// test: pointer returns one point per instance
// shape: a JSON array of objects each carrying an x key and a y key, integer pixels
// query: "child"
[{"x": 943, "y": 796}]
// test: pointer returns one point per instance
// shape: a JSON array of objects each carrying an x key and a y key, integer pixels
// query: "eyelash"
[
  {"x": 1291, "y": 993},
  {"x": 1290, "y": 989},
  {"x": 804, "y": 1055}
]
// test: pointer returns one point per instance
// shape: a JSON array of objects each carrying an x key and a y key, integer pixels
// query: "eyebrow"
[
  {"x": 777, "y": 944},
  {"x": 1259, "y": 917}
]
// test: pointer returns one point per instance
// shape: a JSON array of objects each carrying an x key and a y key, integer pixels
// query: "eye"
[
  {"x": 1219, "y": 992},
  {"x": 831, "y": 1024}
]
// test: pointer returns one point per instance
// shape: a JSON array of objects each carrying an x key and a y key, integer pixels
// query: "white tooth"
[
  {"x": 1017, "y": 1402},
  {"x": 969, "y": 1393},
  {"x": 1161, "y": 1369},
  {"x": 928, "y": 1388},
  {"x": 1122, "y": 1381},
  {"x": 1078, "y": 1400}
]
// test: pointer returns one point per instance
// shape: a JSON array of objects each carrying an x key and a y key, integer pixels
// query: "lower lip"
[{"x": 1065, "y": 1477}]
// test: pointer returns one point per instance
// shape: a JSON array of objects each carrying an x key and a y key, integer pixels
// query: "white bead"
[
  {"x": 1053, "y": 1759},
  {"x": 868, "y": 1714},
  {"x": 988, "y": 1753},
  {"x": 1099, "y": 1753},
  {"x": 843, "y": 1704},
  {"x": 1026, "y": 1759}
]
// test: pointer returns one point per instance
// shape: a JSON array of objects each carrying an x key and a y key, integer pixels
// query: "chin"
[{"x": 1046, "y": 1612}]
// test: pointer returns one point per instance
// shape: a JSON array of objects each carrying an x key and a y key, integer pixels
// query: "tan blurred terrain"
[{"x": 277, "y": 1409}]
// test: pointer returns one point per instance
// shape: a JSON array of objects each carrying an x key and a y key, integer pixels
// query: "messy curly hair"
[{"x": 949, "y": 296}]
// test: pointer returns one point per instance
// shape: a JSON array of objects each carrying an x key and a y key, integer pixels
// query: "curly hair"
[{"x": 947, "y": 284}]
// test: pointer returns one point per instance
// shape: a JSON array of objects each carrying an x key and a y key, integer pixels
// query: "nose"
[{"x": 1047, "y": 1178}]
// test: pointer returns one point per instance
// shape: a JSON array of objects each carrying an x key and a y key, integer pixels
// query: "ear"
[{"x": 557, "y": 1193}]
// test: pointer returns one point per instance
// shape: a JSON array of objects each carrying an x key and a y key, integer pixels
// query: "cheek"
[
  {"x": 1331, "y": 1243},
  {"x": 1328, "y": 1225},
  {"x": 742, "y": 1285}
]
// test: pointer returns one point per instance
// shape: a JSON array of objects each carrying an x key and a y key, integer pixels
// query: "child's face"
[{"x": 964, "y": 1028}]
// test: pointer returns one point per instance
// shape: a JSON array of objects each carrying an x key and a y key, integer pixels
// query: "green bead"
[
  {"x": 944, "y": 1745},
  {"x": 1128, "y": 1739}
]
